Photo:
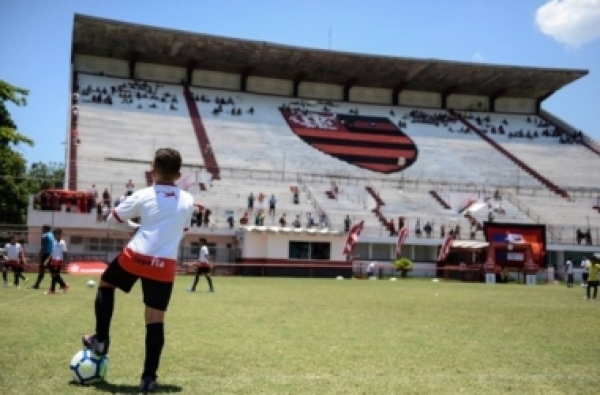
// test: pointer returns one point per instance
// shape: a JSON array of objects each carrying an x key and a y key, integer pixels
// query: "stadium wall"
[
  {"x": 216, "y": 79},
  {"x": 154, "y": 72},
  {"x": 106, "y": 66},
  {"x": 313, "y": 90},
  {"x": 515, "y": 105},
  {"x": 269, "y": 86},
  {"x": 420, "y": 99},
  {"x": 370, "y": 95},
  {"x": 275, "y": 246},
  {"x": 468, "y": 102}
]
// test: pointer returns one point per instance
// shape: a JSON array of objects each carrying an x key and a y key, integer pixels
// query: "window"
[
  {"x": 361, "y": 251},
  {"x": 306, "y": 250},
  {"x": 76, "y": 240},
  {"x": 381, "y": 252}
]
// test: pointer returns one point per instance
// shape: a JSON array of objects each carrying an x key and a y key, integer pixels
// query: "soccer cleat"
[
  {"x": 211, "y": 290},
  {"x": 18, "y": 287},
  {"x": 65, "y": 288},
  {"x": 148, "y": 383},
  {"x": 49, "y": 293},
  {"x": 91, "y": 343},
  {"x": 25, "y": 280},
  {"x": 191, "y": 290}
]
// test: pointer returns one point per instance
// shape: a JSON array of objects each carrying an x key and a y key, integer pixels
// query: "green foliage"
[
  {"x": 403, "y": 265},
  {"x": 15, "y": 190}
]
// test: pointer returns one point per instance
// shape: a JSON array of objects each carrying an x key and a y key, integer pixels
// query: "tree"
[
  {"x": 42, "y": 176},
  {"x": 13, "y": 199}
]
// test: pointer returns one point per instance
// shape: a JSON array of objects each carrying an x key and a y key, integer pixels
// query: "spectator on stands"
[
  {"x": 579, "y": 235},
  {"x": 296, "y": 222},
  {"x": 251, "y": 111},
  {"x": 392, "y": 227},
  {"x": 105, "y": 212},
  {"x": 457, "y": 231},
  {"x": 200, "y": 217},
  {"x": 428, "y": 229},
  {"x": 261, "y": 201},
  {"x": 106, "y": 197},
  {"x": 129, "y": 187},
  {"x": 296, "y": 196},
  {"x": 207, "y": 213},
  {"x": 230, "y": 220},
  {"x": 244, "y": 219},
  {"x": 323, "y": 220},
  {"x": 93, "y": 191},
  {"x": 209, "y": 150},
  {"x": 282, "y": 221},
  {"x": 251, "y": 202},
  {"x": 347, "y": 223},
  {"x": 193, "y": 220},
  {"x": 99, "y": 212},
  {"x": 442, "y": 231},
  {"x": 418, "y": 227},
  {"x": 272, "y": 202}
]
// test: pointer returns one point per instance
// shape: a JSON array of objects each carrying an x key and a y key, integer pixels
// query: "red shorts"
[
  {"x": 13, "y": 263},
  {"x": 203, "y": 267},
  {"x": 56, "y": 263}
]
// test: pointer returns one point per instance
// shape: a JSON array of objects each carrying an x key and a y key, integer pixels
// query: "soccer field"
[{"x": 307, "y": 336}]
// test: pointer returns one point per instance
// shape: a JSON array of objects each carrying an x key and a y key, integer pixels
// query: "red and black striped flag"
[
  {"x": 353, "y": 237},
  {"x": 402, "y": 235},
  {"x": 445, "y": 250}
]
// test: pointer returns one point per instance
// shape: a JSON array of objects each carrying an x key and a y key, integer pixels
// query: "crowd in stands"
[
  {"x": 220, "y": 102},
  {"x": 127, "y": 92},
  {"x": 437, "y": 119},
  {"x": 584, "y": 236}
]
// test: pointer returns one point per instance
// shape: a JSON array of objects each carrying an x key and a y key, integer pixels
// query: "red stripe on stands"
[
  {"x": 332, "y": 134},
  {"x": 365, "y": 151}
]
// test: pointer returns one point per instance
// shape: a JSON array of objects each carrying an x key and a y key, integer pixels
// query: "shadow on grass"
[{"x": 106, "y": 386}]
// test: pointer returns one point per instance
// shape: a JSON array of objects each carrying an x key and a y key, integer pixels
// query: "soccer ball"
[
  {"x": 91, "y": 283},
  {"x": 88, "y": 367}
]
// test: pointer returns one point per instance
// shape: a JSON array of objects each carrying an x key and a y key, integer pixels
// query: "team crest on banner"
[{"x": 372, "y": 143}]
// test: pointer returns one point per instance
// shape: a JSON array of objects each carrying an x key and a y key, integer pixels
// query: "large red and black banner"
[
  {"x": 373, "y": 143},
  {"x": 517, "y": 234}
]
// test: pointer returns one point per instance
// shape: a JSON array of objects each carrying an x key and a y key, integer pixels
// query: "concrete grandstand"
[{"x": 376, "y": 138}]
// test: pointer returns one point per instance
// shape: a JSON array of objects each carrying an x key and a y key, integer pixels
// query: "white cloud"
[
  {"x": 477, "y": 57},
  {"x": 570, "y": 22}
]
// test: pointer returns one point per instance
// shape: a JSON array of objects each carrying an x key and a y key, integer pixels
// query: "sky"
[{"x": 35, "y": 37}]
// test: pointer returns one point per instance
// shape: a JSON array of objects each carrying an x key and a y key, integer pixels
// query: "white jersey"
[
  {"x": 59, "y": 249},
  {"x": 165, "y": 213},
  {"x": 13, "y": 251},
  {"x": 204, "y": 254},
  {"x": 371, "y": 267}
]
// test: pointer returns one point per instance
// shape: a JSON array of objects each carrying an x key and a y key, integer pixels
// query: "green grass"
[{"x": 305, "y": 336}]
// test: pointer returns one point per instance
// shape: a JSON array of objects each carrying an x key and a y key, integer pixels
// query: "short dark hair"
[
  {"x": 46, "y": 228},
  {"x": 203, "y": 240},
  {"x": 57, "y": 230},
  {"x": 167, "y": 162}
]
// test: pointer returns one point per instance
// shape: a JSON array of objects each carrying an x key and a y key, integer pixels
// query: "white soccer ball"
[
  {"x": 339, "y": 278},
  {"x": 88, "y": 367},
  {"x": 393, "y": 279},
  {"x": 91, "y": 283}
]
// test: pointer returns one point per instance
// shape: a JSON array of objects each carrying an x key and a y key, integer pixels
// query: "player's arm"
[
  {"x": 120, "y": 217},
  {"x": 22, "y": 255},
  {"x": 65, "y": 252}
]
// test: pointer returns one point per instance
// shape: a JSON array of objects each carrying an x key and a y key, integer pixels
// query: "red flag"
[
  {"x": 445, "y": 248},
  {"x": 402, "y": 235},
  {"x": 353, "y": 237}
]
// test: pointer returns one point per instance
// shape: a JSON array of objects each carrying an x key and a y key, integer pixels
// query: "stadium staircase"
[
  {"x": 73, "y": 141},
  {"x": 378, "y": 203},
  {"x": 210, "y": 161},
  {"x": 547, "y": 183},
  {"x": 439, "y": 199},
  {"x": 587, "y": 142}
]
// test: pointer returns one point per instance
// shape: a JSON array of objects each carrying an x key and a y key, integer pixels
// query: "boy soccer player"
[
  {"x": 203, "y": 267},
  {"x": 3, "y": 268},
  {"x": 15, "y": 259},
  {"x": 592, "y": 283},
  {"x": 151, "y": 256},
  {"x": 45, "y": 251},
  {"x": 55, "y": 262}
]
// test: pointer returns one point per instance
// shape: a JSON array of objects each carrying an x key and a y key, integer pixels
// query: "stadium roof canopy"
[{"x": 128, "y": 41}]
